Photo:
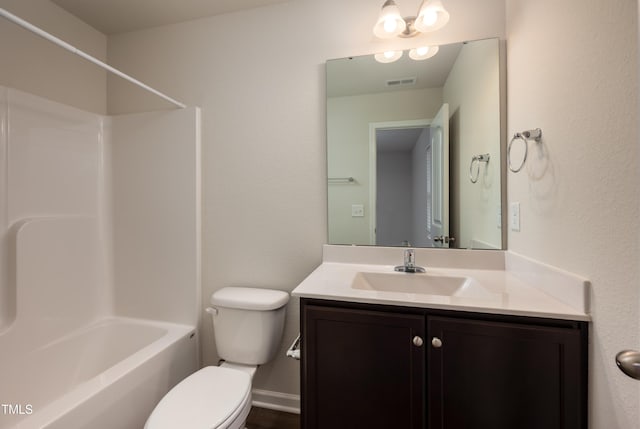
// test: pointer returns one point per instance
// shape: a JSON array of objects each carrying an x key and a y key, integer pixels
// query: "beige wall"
[
  {"x": 473, "y": 93},
  {"x": 572, "y": 71},
  {"x": 259, "y": 78},
  {"x": 348, "y": 120},
  {"x": 35, "y": 65}
]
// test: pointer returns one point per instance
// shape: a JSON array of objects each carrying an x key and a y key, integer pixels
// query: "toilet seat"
[{"x": 213, "y": 397}]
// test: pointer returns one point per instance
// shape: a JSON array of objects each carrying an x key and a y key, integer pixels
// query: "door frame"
[
  {"x": 373, "y": 128},
  {"x": 440, "y": 201}
]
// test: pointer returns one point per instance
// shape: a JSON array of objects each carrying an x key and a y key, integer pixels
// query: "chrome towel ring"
[
  {"x": 535, "y": 134},
  {"x": 477, "y": 159}
]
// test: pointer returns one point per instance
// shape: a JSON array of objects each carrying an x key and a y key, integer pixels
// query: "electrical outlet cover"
[{"x": 514, "y": 216}]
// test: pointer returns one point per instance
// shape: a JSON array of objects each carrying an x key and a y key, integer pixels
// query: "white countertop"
[{"x": 495, "y": 291}]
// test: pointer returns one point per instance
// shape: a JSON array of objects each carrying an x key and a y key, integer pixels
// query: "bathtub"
[{"x": 110, "y": 374}]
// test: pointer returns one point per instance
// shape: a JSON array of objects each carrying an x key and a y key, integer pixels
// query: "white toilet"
[{"x": 247, "y": 324}]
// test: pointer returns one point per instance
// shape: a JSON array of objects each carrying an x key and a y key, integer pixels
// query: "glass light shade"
[
  {"x": 388, "y": 56},
  {"x": 423, "y": 52},
  {"x": 389, "y": 23},
  {"x": 431, "y": 17}
]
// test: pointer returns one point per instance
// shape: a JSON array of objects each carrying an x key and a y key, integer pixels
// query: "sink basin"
[{"x": 428, "y": 284}]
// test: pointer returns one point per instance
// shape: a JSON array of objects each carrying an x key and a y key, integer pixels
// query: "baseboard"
[{"x": 276, "y": 401}]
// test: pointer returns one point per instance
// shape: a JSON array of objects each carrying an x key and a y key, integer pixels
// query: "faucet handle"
[
  {"x": 409, "y": 258},
  {"x": 409, "y": 263}
]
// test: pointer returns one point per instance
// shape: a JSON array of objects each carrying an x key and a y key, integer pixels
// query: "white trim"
[
  {"x": 373, "y": 127},
  {"x": 276, "y": 401}
]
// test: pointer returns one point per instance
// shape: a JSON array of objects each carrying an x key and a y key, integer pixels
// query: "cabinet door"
[
  {"x": 361, "y": 369},
  {"x": 504, "y": 376}
]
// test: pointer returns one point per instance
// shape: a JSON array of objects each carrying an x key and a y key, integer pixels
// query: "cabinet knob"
[
  {"x": 436, "y": 342},
  {"x": 417, "y": 341}
]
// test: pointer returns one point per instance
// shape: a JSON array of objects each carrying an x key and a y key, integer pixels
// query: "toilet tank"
[{"x": 248, "y": 323}]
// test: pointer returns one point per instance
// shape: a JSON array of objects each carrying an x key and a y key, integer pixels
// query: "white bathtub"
[{"x": 108, "y": 375}]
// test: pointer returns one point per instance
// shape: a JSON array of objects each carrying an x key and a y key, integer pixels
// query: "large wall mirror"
[{"x": 414, "y": 149}]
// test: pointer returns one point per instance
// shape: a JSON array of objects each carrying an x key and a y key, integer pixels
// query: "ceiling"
[
  {"x": 120, "y": 16},
  {"x": 398, "y": 139},
  {"x": 364, "y": 75}
]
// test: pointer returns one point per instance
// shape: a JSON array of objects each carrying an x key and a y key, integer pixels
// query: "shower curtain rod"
[{"x": 24, "y": 24}]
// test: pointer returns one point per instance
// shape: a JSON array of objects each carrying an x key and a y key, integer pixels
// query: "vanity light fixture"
[
  {"x": 432, "y": 16},
  {"x": 388, "y": 56}
]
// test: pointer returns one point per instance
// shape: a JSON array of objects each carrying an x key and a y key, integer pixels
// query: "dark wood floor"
[{"x": 262, "y": 418}]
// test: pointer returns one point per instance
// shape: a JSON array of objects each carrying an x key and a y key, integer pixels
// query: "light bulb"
[
  {"x": 388, "y": 56},
  {"x": 390, "y": 22},
  {"x": 390, "y": 25},
  {"x": 423, "y": 52},
  {"x": 432, "y": 16}
]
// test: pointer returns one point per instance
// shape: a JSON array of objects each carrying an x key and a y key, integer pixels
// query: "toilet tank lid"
[{"x": 248, "y": 298}]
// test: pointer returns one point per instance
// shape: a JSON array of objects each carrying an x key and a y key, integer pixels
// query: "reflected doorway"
[
  {"x": 410, "y": 182},
  {"x": 401, "y": 185}
]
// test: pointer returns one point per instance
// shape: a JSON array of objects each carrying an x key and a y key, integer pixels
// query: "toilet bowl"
[
  {"x": 213, "y": 397},
  {"x": 248, "y": 325}
]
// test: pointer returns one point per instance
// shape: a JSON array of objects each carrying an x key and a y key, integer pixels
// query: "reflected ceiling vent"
[{"x": 405, "y": 81}]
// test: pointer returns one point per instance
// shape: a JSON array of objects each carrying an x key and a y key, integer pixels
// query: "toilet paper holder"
[{"x": 294, "y": 349}]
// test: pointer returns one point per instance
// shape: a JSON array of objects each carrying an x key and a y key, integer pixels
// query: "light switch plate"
[
  {"x": 514, "y": 216},
  {"x": 357, "y": 210}
]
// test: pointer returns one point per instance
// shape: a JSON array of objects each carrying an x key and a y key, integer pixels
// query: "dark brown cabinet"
[
  {"x": 504, "y": 375},
  {"x": 362, "y": 369},
  {"x": 387, "y": 367}
]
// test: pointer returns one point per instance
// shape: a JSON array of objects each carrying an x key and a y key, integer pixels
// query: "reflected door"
[{"x": 439, "y": 210}]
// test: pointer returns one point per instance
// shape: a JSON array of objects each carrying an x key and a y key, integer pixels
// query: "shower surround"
[{"x": 99, "y": 262}]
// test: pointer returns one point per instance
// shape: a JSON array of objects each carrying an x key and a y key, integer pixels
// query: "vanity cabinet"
[
  {"x": 379, "y": 366},
  {"x": 488, "y": 374},
  {"x": 361, "y": 368}
]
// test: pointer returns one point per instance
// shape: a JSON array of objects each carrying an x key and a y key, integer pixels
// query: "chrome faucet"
[{"x": 409, "y": 263}]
